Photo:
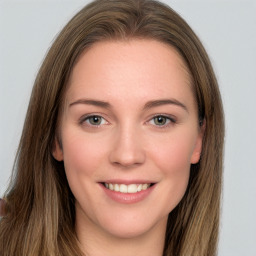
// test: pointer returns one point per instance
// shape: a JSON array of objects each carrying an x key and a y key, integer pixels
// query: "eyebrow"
[
  {"x": 97, "y": 103},
  {"x": 148, "y": 105},
  {"x": 156, "y": 103}
]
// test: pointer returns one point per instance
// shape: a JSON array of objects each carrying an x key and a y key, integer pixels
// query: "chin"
[
  {"x": 127, "y": 232},
  {"x": 135, "y": 226}
]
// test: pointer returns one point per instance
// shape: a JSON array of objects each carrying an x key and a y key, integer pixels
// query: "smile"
[
  {"x": 131, "y": 188},
  {"x": 127, "y": 192}
]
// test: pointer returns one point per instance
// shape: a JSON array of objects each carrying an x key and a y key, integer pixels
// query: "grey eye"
[
  {"x": 94, "y": 120},
  {"x": 160, "y": 120}
]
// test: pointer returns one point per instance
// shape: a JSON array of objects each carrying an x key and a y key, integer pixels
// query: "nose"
[{"x": 127, "y": 148}]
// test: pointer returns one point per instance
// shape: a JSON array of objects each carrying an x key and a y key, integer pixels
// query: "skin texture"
[{"x": 128, "y": 144}]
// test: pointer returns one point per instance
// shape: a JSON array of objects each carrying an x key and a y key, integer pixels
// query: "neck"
[{"x": 97, "y": 242}]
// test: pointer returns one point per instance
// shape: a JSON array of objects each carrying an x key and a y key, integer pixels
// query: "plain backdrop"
[{"x": 228, "y": 31}]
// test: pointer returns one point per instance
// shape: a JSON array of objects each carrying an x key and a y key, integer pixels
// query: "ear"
[
  {"x": 199, "y": 144},
  {"x": 57, "y": 150}
]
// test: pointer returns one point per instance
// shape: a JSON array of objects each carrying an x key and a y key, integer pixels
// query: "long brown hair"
[{"x": 40, "y": 212}]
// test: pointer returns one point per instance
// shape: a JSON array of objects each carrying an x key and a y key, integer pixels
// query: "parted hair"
[{"x": 40, "y": 208}]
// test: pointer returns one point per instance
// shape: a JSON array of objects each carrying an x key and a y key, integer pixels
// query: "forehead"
[{"x": 139, "y": 67}]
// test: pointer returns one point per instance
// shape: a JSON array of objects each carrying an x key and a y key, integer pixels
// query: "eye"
[
  {"x": 94, "y": 120},
  {"x": 161, "y": 120}
]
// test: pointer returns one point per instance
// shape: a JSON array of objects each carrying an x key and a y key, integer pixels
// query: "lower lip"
[{"x": 127, "y": 198}]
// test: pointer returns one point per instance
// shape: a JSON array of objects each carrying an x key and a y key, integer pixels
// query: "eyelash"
[{"x": 168, "y": 120}]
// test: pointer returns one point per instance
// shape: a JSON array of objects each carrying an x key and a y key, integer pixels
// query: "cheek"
[
  {"x": 82, "y": 157},
  {"x": 173, "y": 154},
  {"x": 81, "y": 153},
  {"x": 173, "y": 159}
]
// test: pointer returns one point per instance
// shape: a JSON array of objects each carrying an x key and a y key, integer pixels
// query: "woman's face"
[{"x": 129, "y": 123}]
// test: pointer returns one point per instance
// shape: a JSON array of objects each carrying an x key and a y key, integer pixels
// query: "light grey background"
[{"x": 228, "y": 31}]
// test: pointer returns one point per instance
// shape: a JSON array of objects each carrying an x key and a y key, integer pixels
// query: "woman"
[{"x": 121, "y": 151}]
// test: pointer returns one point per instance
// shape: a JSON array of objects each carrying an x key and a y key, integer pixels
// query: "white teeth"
[
  {"x": 132, "y": 188},
  {"x": 144, "y": 186},
  {"x": 123, "y": 188},
  {"x": 116, "y": 187}
]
